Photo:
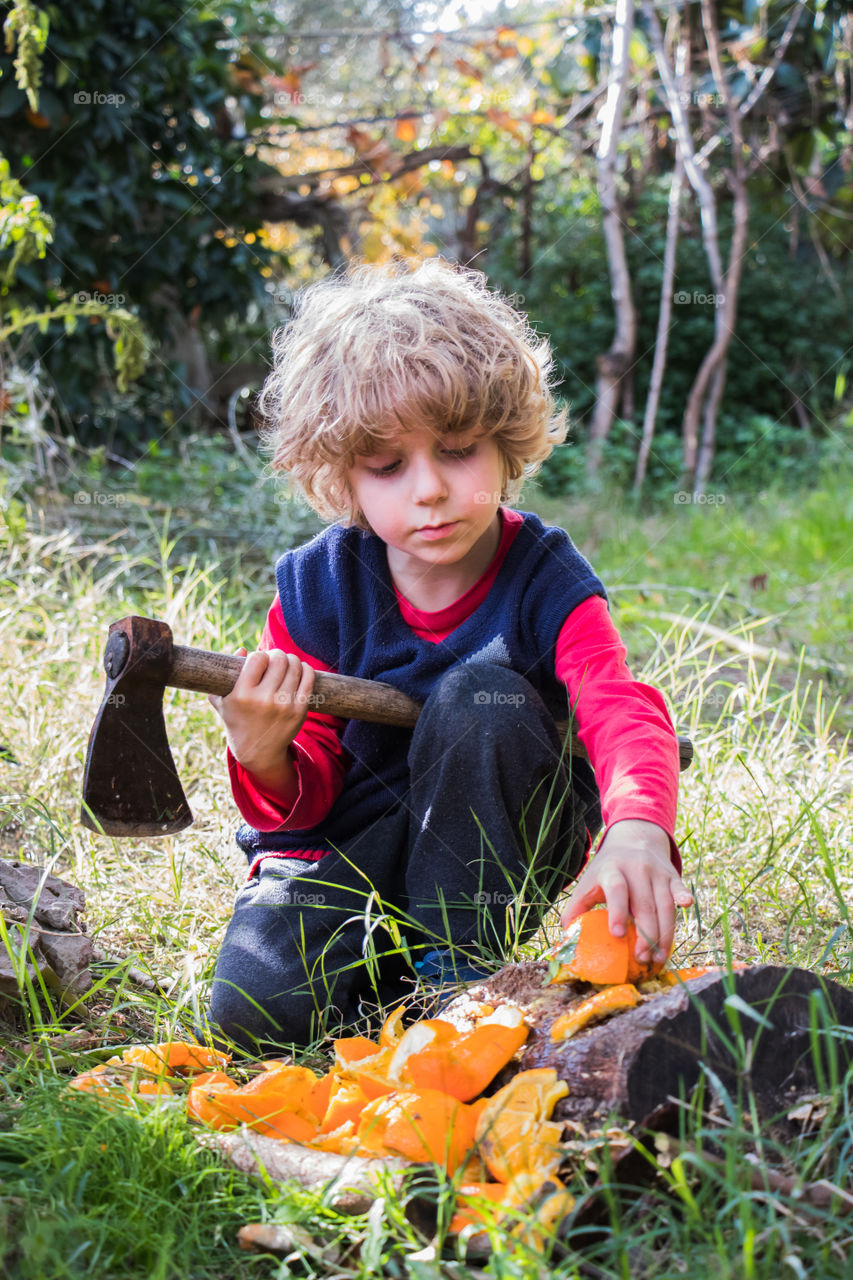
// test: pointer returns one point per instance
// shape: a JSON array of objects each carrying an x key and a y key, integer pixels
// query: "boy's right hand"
[{"x": 266, "y": 709}]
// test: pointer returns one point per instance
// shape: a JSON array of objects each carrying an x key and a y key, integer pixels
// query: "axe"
[{"x": 131, "y": 786}]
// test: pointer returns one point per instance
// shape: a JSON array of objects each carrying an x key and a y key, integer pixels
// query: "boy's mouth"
[{"x": 437, "y": 530}]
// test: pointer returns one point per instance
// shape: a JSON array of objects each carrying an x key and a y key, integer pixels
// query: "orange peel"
[
  {"x": 354, "y": 1049},
  {"x": 515, "y": 1134},
  {"x": 464, "y": 1066},
  {"x": 175, "y": 1056},
  {"x": 594, "y": 1009},
  {"x": 421, "y": 1125},
  {"x": 274, "y": 1103},
  {"x": 392, "y": 1027},
  {"x": 347, "y": 1100},
  {"x": 589, "y": 952}
]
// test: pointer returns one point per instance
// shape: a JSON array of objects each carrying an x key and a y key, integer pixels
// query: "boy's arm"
[
  {"x": 301, "y": 798},
  {"x": 625, "y": 727}
]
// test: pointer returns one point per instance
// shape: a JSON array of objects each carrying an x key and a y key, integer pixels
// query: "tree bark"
[
  {"x": 664, "y": 318},
  {"x": 710, "y": 235},
  {"x": 766, "y": 1028},
  {"x": 724, "y": 322},
  {"x": 615, "y": 363},
  {"x": 682, "y": 57}
]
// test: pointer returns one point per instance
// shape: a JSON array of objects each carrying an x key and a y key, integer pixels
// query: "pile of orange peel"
[{"x": 416, "y": 1093}]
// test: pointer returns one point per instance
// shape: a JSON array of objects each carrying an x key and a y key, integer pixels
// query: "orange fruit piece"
[
  {"x": 595, "y": 1009},
  {"x": 471, "y": 1204},
  {"x": 422, "y": 1125},
  {"x": 354, "y": 1049},
  {"x": 175, "y": 1055},
  {"x": 275, "y": 1103},
  {"x": 514, "y": 1132},
  {"x": 464, "y": 1066},
  {"x": 347, "y": 1100},
  {"x": 588, "y": 952}
]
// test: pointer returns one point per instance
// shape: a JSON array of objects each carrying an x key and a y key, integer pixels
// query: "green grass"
[{"x": 755, "y": 669}]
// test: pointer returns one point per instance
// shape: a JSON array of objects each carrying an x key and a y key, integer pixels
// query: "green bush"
[{"x": 136, "y": 152}]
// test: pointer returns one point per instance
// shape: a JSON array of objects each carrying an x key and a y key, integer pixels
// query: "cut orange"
[
  {"x": 594, "y": 1009},
  {"x": 464, "y": 1066},
  {"x": 515, "y": 1134},
  {"x": 588, "y": 952}
]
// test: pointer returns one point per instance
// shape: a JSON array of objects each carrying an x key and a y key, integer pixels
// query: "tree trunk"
[
  {"x": 676, "y": 101},
  {"x": 664, "y": 318},
  {"x": 756, "y": 1028},
  {"x": 726, "y": 320},
  {"x": 615, "y": 363}
]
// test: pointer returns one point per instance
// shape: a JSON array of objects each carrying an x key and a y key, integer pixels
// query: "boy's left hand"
[{"x": 632, "y": 872}]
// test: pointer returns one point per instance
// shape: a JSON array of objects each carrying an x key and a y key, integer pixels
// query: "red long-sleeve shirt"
[{"x": 623, "y": 724}]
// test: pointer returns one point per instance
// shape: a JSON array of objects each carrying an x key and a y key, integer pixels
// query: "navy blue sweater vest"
[{"x": 339, "y": 605}]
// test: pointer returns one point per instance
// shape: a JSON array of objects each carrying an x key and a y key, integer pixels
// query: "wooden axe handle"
[
  {"x": 205, "y": 672},
  {"x": 334, "y": 694}
]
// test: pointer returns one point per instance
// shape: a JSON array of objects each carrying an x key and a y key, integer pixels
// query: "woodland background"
[{"x": 665, "y": 187}]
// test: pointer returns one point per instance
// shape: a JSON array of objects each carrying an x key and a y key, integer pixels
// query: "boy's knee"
[
  {"x": 478, "y": 695},
  {"x": 259, "y": 1020}
]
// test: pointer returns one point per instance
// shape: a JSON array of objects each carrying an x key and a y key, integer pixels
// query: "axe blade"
[{"x": 131, "y": 786}]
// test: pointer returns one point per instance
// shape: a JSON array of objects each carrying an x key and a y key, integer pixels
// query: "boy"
[{"x": 408, "y": 404}]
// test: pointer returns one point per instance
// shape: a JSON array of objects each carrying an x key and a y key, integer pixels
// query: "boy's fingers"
[
  {"x": 616, "y": 897},
  {"x": 254, "y": 668},
  {"x": 580, "y": 901}
]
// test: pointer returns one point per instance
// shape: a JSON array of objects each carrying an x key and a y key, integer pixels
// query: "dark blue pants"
[{"x": 495, "y": 824}]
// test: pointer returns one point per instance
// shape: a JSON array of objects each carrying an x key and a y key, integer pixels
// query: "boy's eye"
[
  {"x": 387, "y": 470},
  {"x": 390, "y": 468}
]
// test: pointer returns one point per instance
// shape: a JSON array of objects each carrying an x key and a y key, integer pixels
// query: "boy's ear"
[{"x": 348, "y": 509}]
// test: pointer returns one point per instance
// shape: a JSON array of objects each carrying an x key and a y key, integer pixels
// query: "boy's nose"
[{"x": 428, "y": 484}]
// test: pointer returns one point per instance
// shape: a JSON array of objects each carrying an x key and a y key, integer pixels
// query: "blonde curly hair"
[{"x": 373, "y": 351}]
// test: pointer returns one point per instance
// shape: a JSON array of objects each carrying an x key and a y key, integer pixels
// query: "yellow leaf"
[{"x": 406, "y": 130}]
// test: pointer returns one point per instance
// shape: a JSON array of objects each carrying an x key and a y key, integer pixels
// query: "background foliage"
[{"x": 200, "y": 166}]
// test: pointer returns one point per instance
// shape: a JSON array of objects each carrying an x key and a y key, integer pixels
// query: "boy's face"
[{"x": 430, "y": 497}]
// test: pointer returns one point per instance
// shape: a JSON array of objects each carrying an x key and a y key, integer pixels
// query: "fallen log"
[
  {"x": 781, "y": 1031},
  {"x": 349, "y": 1184}
]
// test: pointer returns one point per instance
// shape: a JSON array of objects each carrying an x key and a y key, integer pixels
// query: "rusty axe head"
[{"x": 131, "y": 786}]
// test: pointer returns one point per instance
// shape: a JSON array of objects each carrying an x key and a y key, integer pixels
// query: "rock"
[{"x": 45, "y": 934}]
